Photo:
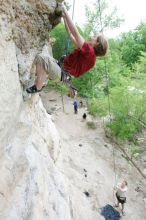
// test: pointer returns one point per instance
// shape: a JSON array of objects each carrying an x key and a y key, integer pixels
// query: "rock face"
[
  {"x": 30, "y": 185},
  {"x": 27, "y": 23}
]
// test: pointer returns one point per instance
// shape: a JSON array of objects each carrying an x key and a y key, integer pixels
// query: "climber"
[
  {"x": 121, "y": 190},
  {"x": 44, "y": 65},
  {"x": 83, "y": 58}
]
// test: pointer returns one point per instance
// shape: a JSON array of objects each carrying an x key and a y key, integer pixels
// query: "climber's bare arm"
[
  {"x": 71, "y": 28},
  {"x": 70, "y": 34}
]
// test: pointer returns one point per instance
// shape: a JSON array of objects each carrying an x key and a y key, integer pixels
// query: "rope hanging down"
[
  {"x": 107, "y": 84},
  {"x": 107, "y": 80},
  {"x": 68, "y": 39},
  {"x": 105, "y": 64},
  {"x": 66, "y": 53}
]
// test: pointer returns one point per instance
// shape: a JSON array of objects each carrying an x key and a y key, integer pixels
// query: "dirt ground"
[{"x": 86, "y": 160}]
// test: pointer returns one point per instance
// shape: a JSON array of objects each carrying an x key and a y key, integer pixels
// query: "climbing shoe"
[{"x": 32, "y": 89}]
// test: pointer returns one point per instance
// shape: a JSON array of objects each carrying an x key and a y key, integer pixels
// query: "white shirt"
[{"x": 121, "y": 191}]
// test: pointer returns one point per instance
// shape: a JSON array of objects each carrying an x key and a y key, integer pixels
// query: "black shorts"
[{"x": 121, "y": 200}]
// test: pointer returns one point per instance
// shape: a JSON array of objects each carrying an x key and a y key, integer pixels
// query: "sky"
[{"x": 132, "y": 11}]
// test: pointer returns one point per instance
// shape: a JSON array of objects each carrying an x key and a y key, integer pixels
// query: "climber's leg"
[
  {"x": 40, "y": 76},
  {"x": 45, "y": 66}
]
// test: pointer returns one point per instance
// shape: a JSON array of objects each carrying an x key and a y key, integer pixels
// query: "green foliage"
[
  {"x": 132, "y": 43},
  {"x": 131, "y": 50},
  {"x": 123, "y": 128},
  {"x": 98, "y": 106},
  {"x": 62, "y": 41},
  {"x": 63, "y": 88},
  {"x": 139, "y": 68},
  {"x": 109, "y": 18},
  {"x": 60, "y": 87},
  {"x": 126, "y": 107},
  {"x": 92, "y": 106},
  {"x": 141, "y": 30}
]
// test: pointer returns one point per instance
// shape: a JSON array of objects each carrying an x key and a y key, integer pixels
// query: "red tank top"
[{"x": 80, "y": 60}]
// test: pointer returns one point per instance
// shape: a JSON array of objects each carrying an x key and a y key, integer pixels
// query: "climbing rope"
[
  {"x": 63, "y": 72},
  {"x": 108, "y": 95},
  {"x": 67, "y": 45}
]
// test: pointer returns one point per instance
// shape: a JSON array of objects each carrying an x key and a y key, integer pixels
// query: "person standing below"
[
  {"x": 83, "y": 58},
  {"x": 75, "y": 104},
  {"x": 121, "y": 190}
]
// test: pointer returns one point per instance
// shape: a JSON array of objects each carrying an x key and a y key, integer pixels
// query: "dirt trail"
[{"x": 86, "y": 161}]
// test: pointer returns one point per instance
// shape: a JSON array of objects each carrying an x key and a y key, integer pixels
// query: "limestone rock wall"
[
  {"x": 24, "y": 27},
  {"x": 30, "y": 185},
  {"x": 10, "y": 90},
  {"x": 27, "y": 23}
]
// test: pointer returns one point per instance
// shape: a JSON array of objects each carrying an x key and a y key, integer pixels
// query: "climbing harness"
[{"x": 65, "y": 76}]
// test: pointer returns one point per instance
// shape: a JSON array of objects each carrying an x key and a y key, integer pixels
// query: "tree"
[
  {"x": 132, "y": 43},
  {"x": 107, "y": 20},
  {"x": 142, "y": 33}
]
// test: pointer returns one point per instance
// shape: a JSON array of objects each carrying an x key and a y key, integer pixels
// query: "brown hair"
[{"x": 101, "y": 48}]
